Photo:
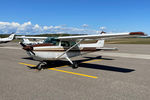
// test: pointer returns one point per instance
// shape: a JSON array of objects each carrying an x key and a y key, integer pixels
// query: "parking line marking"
[
  {"x": 28, "y": 64},
  {"x": 92, "y": 61},
  {"x": 73, "y": 73},
  {"x": 64, "y": 65},
  {"x": 62, "y": 71}
]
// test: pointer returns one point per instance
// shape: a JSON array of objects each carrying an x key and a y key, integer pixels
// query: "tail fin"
[
  {"x": 25, "y": 40},
  {"x": 11, "y": 37},
  {"x": 100, "y": 43},
  {"x": 100, "y": 46}
]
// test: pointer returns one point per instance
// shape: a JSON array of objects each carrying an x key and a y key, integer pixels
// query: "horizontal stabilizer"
[{"x": 108, "y": 49}]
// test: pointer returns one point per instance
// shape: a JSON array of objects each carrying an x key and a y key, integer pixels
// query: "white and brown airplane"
[
  {"x": 57, "y": 48},
  {"x": 8, "y": 39}
]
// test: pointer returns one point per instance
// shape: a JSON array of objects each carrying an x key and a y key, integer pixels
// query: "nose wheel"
[{"x": 40, "y": 65}]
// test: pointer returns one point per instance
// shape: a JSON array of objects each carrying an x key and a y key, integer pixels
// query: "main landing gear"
[
  {"x": 74, "y": 64},
  {"x": 44, "y": 63}
]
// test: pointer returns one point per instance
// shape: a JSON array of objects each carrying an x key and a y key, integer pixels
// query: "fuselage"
[
  {"x": 51, "y": 52},
  {"x": 8, "y": 39},
  {"x": 4, "y": 40},
  {"x": 54, "y": 49}
]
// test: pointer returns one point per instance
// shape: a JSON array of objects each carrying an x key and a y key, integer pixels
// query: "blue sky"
[{"x": 71, "y": 15}]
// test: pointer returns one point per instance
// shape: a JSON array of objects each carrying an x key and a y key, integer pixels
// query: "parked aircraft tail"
[
  {"x": 26, "y": 40},
  {"x": 11, "y": 37}
]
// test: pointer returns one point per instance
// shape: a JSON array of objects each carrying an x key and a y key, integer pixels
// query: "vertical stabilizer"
[
  {"x": 11, "y": 37},
  {"x": 100, "y": 43},
  {"x": 25, "y": 40}
]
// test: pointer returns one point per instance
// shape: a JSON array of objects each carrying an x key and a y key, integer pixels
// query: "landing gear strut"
[{"x": 74, "y": 64}]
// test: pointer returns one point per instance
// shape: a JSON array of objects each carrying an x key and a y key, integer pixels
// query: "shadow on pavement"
[{"x": 59, "y": 63}]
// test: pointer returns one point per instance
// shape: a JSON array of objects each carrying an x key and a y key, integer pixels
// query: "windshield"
[{"x": 52, "y": 40}]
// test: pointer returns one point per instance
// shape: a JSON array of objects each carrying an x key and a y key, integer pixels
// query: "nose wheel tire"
[{"x": 40, "y": 65}]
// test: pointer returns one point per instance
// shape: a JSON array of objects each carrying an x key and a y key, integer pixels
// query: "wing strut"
[{"x": 69, "y": 49}]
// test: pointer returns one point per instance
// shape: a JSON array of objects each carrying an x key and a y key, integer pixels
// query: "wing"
[
  {"x": 99, "y": 36},
  {"x": 131, "y": 34}
]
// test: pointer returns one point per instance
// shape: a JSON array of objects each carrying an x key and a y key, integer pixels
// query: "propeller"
[
  {"x": 23, "y": 45},
  {"x": 27, "y": 48}
]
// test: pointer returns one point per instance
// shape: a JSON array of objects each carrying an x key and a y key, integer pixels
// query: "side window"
[
  {"x": 55, "y": 42},
  {"x": 72, "y": 43},
  {"x": 65, "y": 43}
]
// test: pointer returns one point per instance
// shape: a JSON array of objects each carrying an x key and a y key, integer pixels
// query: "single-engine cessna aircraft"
[
  {"x": 8, "y": 39},
  {"x": 57, "y": 48}
]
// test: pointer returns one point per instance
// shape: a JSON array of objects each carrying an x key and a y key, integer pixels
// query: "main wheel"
[
  {"x": 74, "y": 65},
  {"x": 39, "y": 67}
]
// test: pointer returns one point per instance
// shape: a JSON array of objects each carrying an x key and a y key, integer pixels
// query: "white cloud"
[
  {"x": 6, "y": 27},
  {"x": 29, "y": 28},
  {"x": 26, "y": 24},
  {"x": 85, "y": 25},
  {"x": 36, "y": 26},
  {"x": 103, "y": 28}
]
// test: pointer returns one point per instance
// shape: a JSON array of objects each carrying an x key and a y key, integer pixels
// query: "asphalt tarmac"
[{"x": 103, "y": 75}]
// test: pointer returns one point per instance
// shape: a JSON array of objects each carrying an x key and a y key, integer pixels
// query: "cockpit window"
[
  {"x": 52, "y": 40},
  {"x": 55, "y": 41},
  {"x": 67, "y": 43}
]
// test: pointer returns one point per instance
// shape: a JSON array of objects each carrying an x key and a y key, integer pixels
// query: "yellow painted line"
[
  {"x": 92, "y": 61},
  {"x": 28, "y": 64},
  {"x": 35, "y": 65},
  {"x": 73, "y": 73},
  {"x": 62, "y": 66},
  {"x": 62, "y": 71}
]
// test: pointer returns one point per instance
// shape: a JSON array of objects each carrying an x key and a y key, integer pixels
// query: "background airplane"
[
  {"x": 8, "y": 39},
  {"x": 26, "y": 41}
]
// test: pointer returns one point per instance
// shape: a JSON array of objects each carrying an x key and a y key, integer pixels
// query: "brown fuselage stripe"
[{"x": 65, "y": 50}]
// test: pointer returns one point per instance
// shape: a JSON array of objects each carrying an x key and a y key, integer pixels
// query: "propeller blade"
[{"x": 22, "y": 44}]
